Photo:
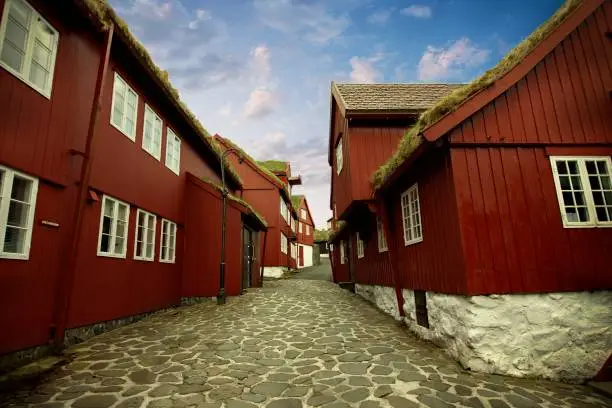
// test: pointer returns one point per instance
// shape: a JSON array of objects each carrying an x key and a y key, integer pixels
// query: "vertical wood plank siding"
[
  {"x": 374, "y": 268},
  {"x": 511, "y": 227},
  {"x": 341, "y": 185}
]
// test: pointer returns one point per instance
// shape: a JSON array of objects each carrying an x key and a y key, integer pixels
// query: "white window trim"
[
  {"x": 120, "y": 128},
  {"x": 303, "y": 214},
  {"x": 339, "y": 156},
  {"x": 407, "y": 193},
  {"x": 150, "y": 111},
  {"x": 283, "y": 243},
  {"x": 360, "y": 246},
  {"x": 342, "y": 254},
  {"x": 166, "y": 222},
  {"x": 144, "y": 236},
  {"x": 170, "y": 133},
  {"x": 123, "y": 254},
  {"x": 588, "y": 193},
  {"x": 382, "y": 239},
  {"x": 300, "y": 226},
  {"x": 29, "y": 50},
  {"x": 9, "y": 175}
]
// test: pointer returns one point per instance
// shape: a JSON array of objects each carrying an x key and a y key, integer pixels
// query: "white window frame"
[
  {"x": 360, "y": 246},
  {"x": 154, "y": 118},
  {"x": 145, "y": 235},
  {"x": 382, "y": 239},
  {"x": 342, "y": 253},
  {"x": 409, "y": 214},
  {"x": 303, "y": 214},
  {"x": 339, "y": 156},
  {"x": 293, "y": 251},
  {"x": 113, "y": 231},
  {"x": 29, "y": 49},
  {"x": 6, "y": 186},
  {"x": 586, "y": 189},
  {"x": 171, "y": 139},
  {"x": 300, "y": 226},
  {"x": 284, "y": 209},
  {"x": 165, "y": 227},
  {"x": 307, "y": 229},
  {"x": 283, "y": 243},
  {"x": 121, "y": 127}
]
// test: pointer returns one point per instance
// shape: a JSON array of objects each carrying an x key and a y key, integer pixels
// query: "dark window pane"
[
  {"x": 106, "y": 225},
  {"x": 568, "y": 199},
  {"x": 605, "y": 182},
  {"x": 14, "y": 240},
  {"x": 598, "y": 198},
  {"x": 602, "y": 214},
  {"x": 561, "y": 167},
  {"x": 608, "y": 197},
  {"x": 590, "y": 166},
  {"x": 583, "y": 215},
  {"x": 21, "y": 189},
  {"x": 594, "y": 182},
  {"x": 579, "y": 198},
  {"x": 573, "y": 167},
  {"x": 564, "y": 181},
  {"x": 104, "y": 243},
  {"x": 601, "y": 166},
  {"x": 576, "y": 184},
  {"x": 572, "y": 214},
  {"x": 138, "y": 248}
]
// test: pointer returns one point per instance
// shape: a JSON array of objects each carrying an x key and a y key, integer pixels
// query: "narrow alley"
[{"x": 294, "y": 343}]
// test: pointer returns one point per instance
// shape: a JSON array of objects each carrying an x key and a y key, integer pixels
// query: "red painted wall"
[
  {"x": 375, "y": 267},
  {"x": 341, "y": 183},
  {"x": 340, "y": 272},
  {"x": 302, "y": 238}
]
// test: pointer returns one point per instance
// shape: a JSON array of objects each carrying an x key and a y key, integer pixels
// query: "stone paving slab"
[{"x": 292, "y": 344}]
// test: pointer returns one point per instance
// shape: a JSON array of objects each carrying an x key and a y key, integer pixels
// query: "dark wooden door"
[
  {"x": 301, "y": 255},
  {"x": 247, "y": 257}
]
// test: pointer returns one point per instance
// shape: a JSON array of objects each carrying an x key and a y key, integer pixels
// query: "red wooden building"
[
  {"x": 105, "y": 214},
  {"x": 305, "y": 231},
  {"x": 267, "y": 186},
  {"x": 497, "y": 208}
]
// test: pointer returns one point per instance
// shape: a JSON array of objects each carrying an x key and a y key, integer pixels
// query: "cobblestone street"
[{"x": 294, "y": 343}]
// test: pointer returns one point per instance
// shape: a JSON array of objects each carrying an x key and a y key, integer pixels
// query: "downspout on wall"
[
  {"x": 383, "y": 210},
  {"x": 66, "y": 280}
]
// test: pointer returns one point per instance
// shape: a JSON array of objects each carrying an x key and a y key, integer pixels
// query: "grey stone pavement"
[
  {"x": 318, "y": 272},
  {"x": 293, "y": 343}
]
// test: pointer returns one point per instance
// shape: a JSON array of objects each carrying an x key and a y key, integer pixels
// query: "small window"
[
  {"x": 152, "y": 133},
  {"x": 411, "y": 216},
  {"x": 307, "y": 229},
  {"x": 144, "y": 247},
  {"x": 28, "y": 46},
  {"x": 342, "y": 252},
  {"x": 283, "y": 243},
  {"x": 339, "y": 159},
  {"x": 293, "y": 251},
  {"x": 168, "y": 242},
  {"x": 173, "y": 152},
  {"x": 17, "y": 204},
  {"x": 303, "y": 213},
  {"x": 382, "y": 240},
  {"x": 124, "y": 108},
  {"x": 584, "y": 190},
  {"x": 300, "y": 226},
  {"x": 360, "y": 248},
  {"x": 114, "y": 220}
]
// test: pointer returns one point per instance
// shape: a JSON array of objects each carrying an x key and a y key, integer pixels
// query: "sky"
[{"x": 259, "y": 71}]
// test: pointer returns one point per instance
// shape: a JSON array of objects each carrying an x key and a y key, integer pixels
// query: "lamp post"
[{"x": 224, "y": 193}]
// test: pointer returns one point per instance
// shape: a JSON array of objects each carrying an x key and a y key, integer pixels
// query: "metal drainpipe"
[
  {"x": 392, "y": 259},
  {"x": 65, "y": 291}
]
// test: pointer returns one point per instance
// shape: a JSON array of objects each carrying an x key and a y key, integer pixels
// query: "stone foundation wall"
[
  {"x": 274, "y": 271},
  {"x": 382, "y": 296}
]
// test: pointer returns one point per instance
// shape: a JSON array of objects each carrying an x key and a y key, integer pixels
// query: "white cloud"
[
  {"x": 260, "y": 63},
  {"x": 153, "y": 9},
  {"x": 201, "y": 15},
  {"x": 261, "y": 103},
  {"x": 449, "y": 62},
  {"x": 225, "y": 110},
  {"x": 379, "y": 17},
  {"x": 364, "y": 70},
  {"x": 417, "y": 11}
]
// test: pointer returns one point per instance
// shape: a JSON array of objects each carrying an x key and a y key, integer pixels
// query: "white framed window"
[
  {"x": 124, "y": 110},
  {"x": 339, "y": 158},
  {"x": 303, "y": 213},
  {"x": 152, "y": 133},
  {"x": 173, "y": 152},
  {"x": 167, "y": 250},
  {"x": 293, "y": 251},
  {"x": 144, "y": 245},
  {"x": 342, "y": 253},
  {"x": 584, "y": 190},
  {"x": 114, "y": 222},
  {"x": 28, "y": 46},
  {"x": 411, "y": 216},
  {"x": 284, "y": 210},
  {"x": 283, "y": 243},
  {"x": 300, "y": 226},
  {"x": 382, "y": 240},
  {"x": 307, "y": 229},
  {"x": 360, "y": 248},
  {"x": 17, "y": 206}
]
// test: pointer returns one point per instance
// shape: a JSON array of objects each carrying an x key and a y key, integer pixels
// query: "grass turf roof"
[
  {"x": 340, "y": 226},
  {"x": 276, "y": 166},
  {"x": 104, "y": 15},
  {"x": 413, "y": 138},
  {"x": 295, "y": 200}
]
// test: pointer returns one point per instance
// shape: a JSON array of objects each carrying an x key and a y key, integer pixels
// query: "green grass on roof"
[
  {"x": 449, "y": 103},
  {"x": 295, "y": 200},
  {"x": 340, "y": 226},
  {"x": 276, "y": 166}
]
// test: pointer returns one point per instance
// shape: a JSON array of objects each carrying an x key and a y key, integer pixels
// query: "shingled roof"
[{"x": 396, "y": 98}]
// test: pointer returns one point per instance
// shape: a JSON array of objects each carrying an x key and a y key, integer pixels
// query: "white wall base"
[
  {"x": 274, "y": 271},
  {"x": 382, "y": 296},
  {"x": 559, "y": 336},
  {"x": 307, "y": 256}
]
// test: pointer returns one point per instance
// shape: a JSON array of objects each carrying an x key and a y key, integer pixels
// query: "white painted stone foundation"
[
  {"x": 558, "y": 336},
  {"x": 382, "y": 296},
  {"x": 274, "y": 271}
]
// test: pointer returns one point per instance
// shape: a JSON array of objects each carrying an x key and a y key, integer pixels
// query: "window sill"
[
  {"x": 587, "y": 226},
  {"x": 144, "y": 259},
  {"x": 380, "y": 251},
  {"x": 123, "y": 132},
  {"x": 28, "y": 83},
  {"x": 105, "y": 255},
  {"x": 178, "y": 173},
  {"x": 156, "y": 157},
  {"x": 166, "y": 261},
  {"x": 17, "y": 257},
  {"x": 414, "y": 241}
]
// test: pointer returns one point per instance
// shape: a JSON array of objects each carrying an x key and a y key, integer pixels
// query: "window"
[
  {"x": 411, "y": 216},
  {"x": 144, "y": 248},
  {"x": 303, "y": 213},
  {"x": 360, "y": 249},
  {"x": 284, "y": 210},
  {"x": 124, "y": 108},
  {"x": 283, "y": 243},
  {"x": 173, "y": 152},
  {"x": 17, "y": 201},
  {"x": 28, "y": 46},
  {"x": 307, "y": 229},
  {"x": 584, "y": 190},
  {"x": 300, "y": 226},
  {"x": 382, "y": 240},
  {"x": 114, "y": 220},
  {"x": 293, "y": 251},
  {"x": 152, "y": 133},
  {"x": 168, "y": 242},
  {"x": 339, "y": 156},
  {"x": 342, "y": 252}
]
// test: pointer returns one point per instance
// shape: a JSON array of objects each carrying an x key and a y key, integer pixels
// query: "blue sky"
[{"x": 259, "y": 71}]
